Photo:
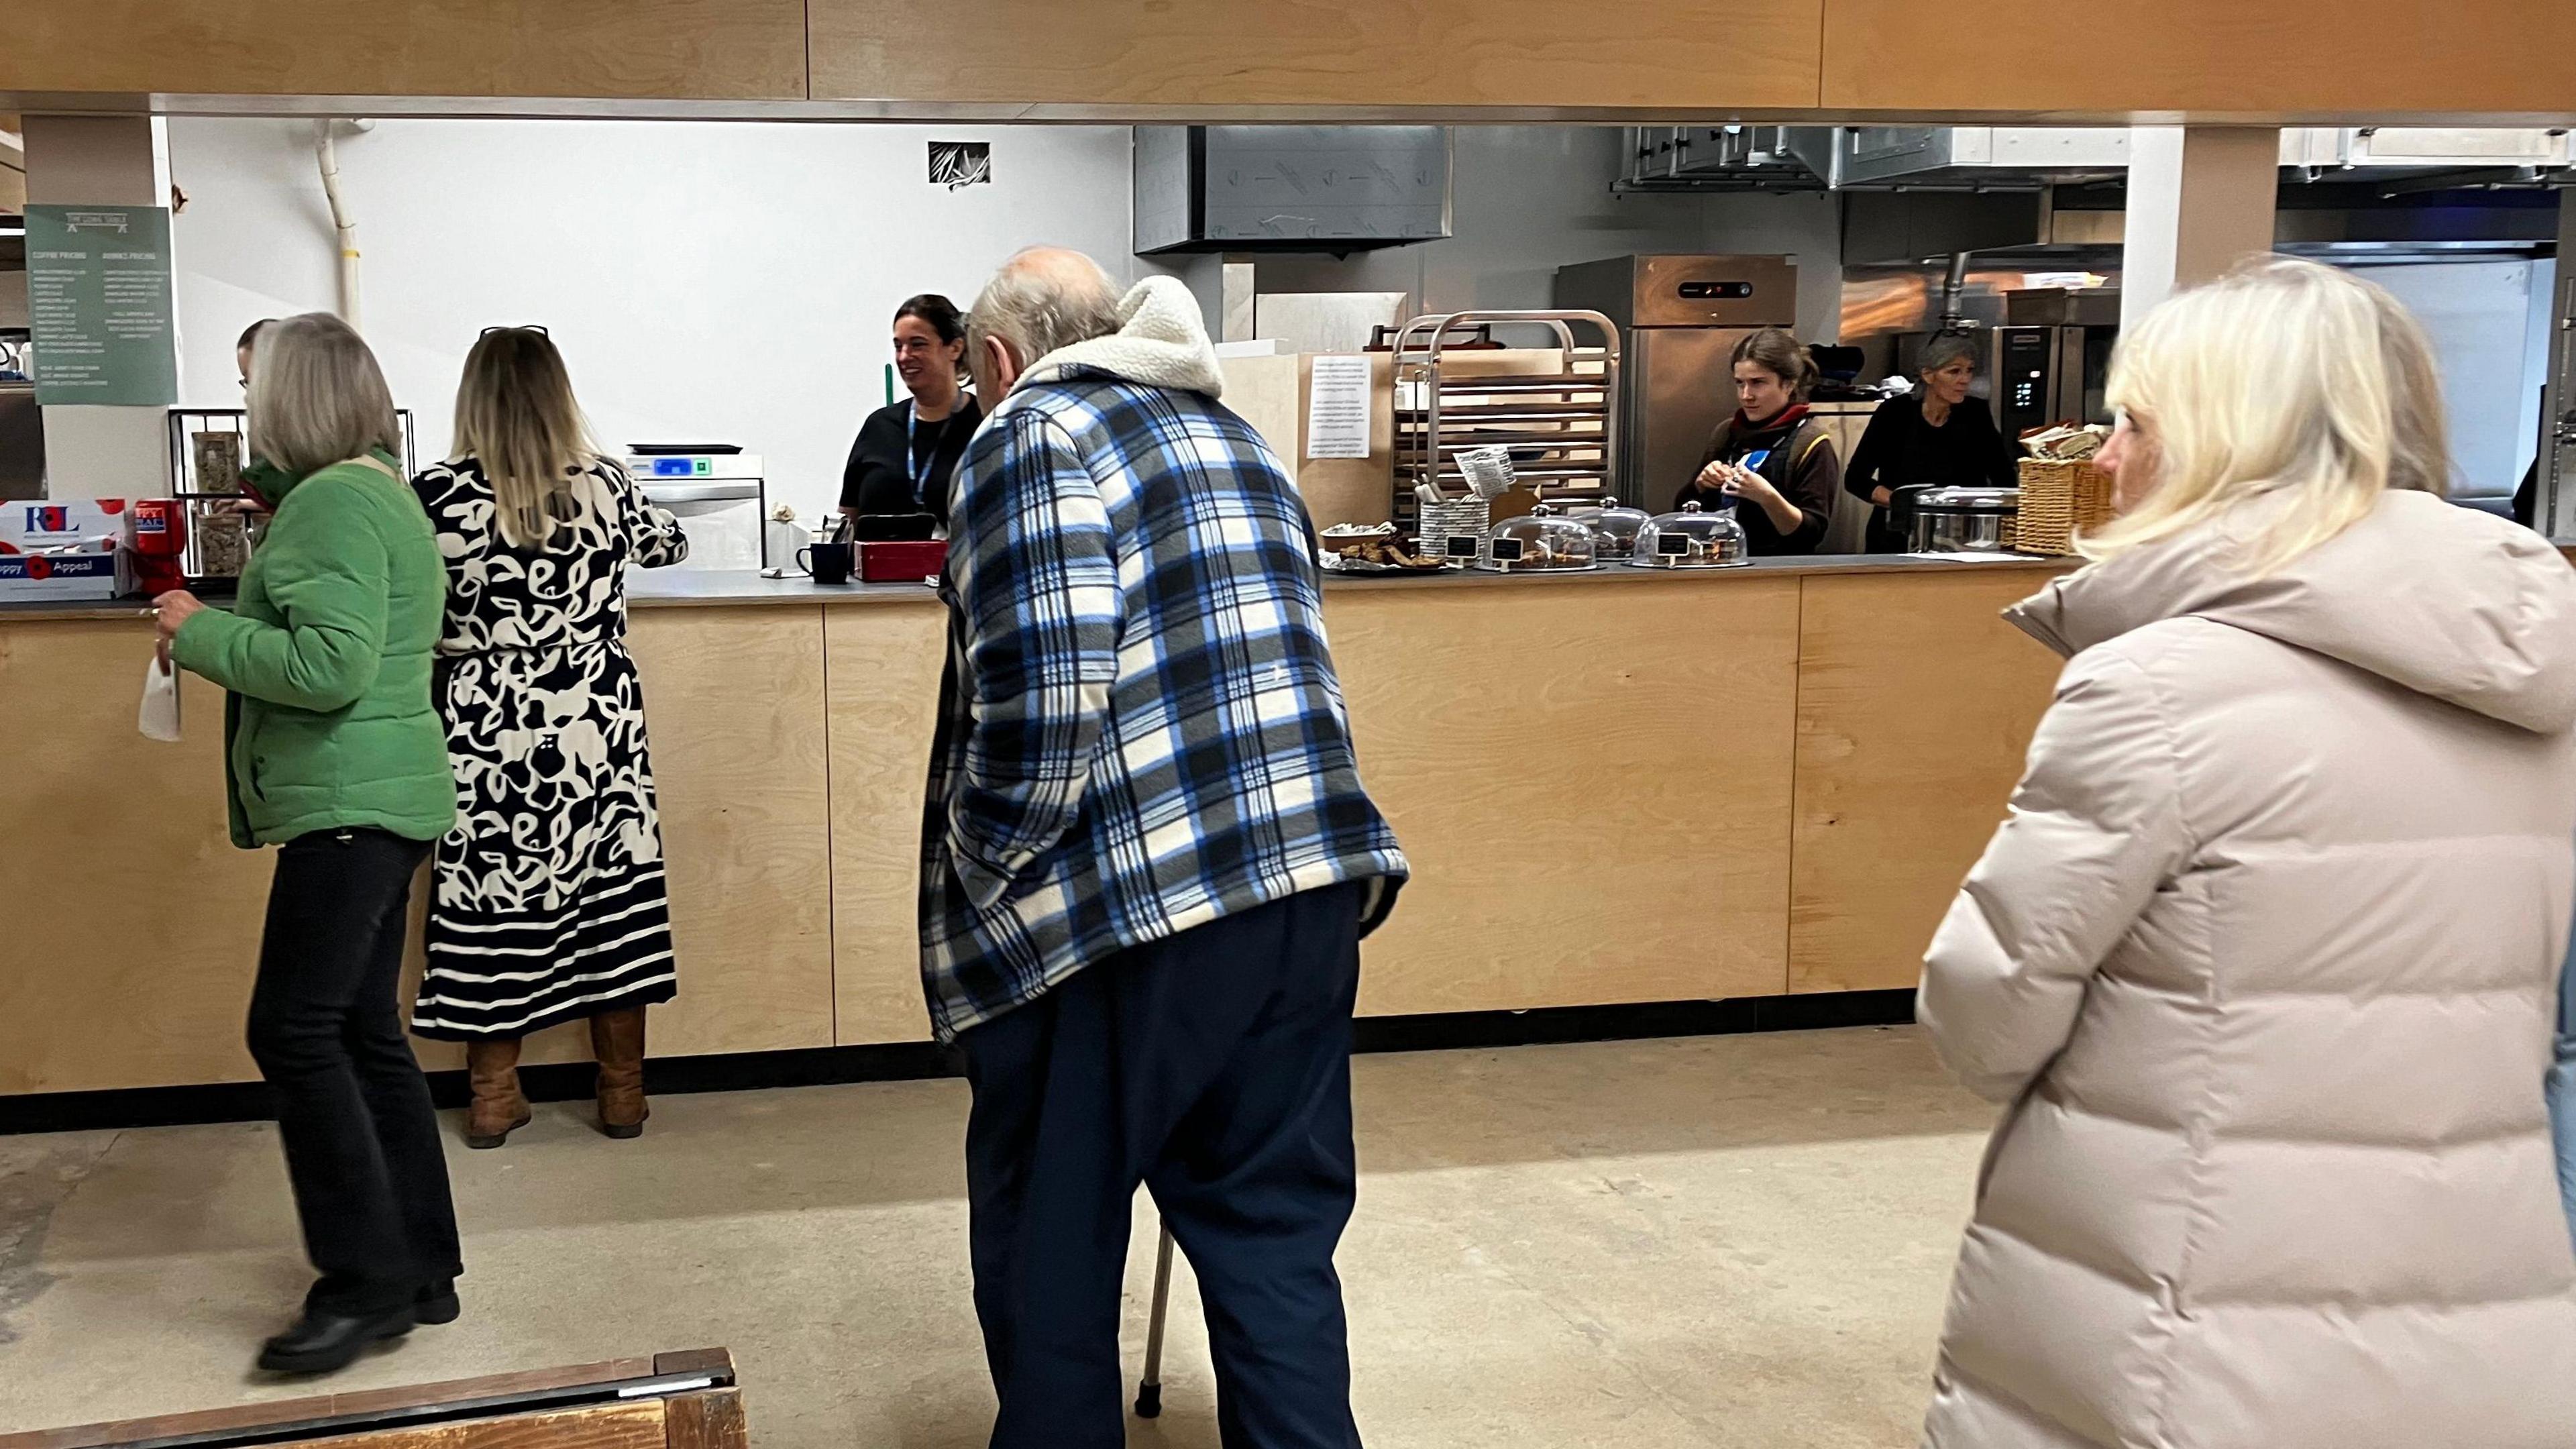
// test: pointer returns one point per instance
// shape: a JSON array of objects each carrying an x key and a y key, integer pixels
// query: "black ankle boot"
[
  {"x": 324, "y": 1342},
  {"x": 436, "y": 1303}
]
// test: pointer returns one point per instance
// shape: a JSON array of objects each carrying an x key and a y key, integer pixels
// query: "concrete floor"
[{"x": 1710, "y": 1242}]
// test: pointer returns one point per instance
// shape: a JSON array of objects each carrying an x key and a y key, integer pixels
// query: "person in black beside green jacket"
[{"x": 334, "y": 754}]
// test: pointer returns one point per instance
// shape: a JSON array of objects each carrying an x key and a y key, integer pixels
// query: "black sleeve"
[
  {"x": 873, "y": 481},
  {"x": 854, "y": 473},
  {"x": 1870, "y": 453}
]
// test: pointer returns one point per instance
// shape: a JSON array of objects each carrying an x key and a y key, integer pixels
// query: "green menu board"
[{"x": 98, "y": 294}]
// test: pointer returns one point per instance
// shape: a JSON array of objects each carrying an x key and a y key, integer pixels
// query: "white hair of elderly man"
[{"x": 1043, "y": 299}]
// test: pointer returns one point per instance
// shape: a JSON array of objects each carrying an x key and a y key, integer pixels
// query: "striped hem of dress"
[
  {"x": 497, "y": 973},
  {"x": 444, "y": 1027}
]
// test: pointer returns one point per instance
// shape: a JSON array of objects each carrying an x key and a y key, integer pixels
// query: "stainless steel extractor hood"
[
  {"x": 1289, "y": 188},
  {"x": 2027, "y": 158},
  {"x": 1975, "y": 158}
]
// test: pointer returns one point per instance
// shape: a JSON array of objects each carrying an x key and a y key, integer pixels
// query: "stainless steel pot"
[{"x": 1964, "y": 520}]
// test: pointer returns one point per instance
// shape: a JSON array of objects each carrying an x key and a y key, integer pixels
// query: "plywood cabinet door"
[
  {"x": 1916, "y": 705},
  {"x": 1123, "y": 59},
  {"x": 885, "y": 663},
  {"x": 2219, "y": 60},
  {"x": 1590, "y": 779},
  {"x": 639, "y": 49},
  {"x": 129, "y": 925}
]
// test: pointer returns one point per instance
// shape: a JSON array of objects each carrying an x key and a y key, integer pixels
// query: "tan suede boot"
[
  {"x": 500, "y": 1108},
  {"x": 617, "y": 1039}
]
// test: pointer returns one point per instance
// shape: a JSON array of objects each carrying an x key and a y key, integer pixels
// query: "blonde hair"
[
  {"x": 317, "y": 397},
  {"x": 2287, "y": 380},
  {"x": 516, "y": 417}
]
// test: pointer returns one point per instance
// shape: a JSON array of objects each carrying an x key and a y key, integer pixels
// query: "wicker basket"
[{"x": 2058, "y": 502}]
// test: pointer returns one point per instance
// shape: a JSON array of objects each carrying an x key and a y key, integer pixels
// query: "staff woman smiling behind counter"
[
  {"x": 1934, "y": 437},
  {"x": 906, "y": 452},
  {"x": 1770, "y": 464}
]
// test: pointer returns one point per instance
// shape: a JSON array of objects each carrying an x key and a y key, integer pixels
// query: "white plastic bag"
[{"x": 159, "y": 717}]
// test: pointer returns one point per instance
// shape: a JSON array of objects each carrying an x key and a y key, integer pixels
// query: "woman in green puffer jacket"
[{"x": 334, "y": 754}]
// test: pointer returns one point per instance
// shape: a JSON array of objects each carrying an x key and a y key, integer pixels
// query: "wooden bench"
[{"x": 669, "y": 1401}]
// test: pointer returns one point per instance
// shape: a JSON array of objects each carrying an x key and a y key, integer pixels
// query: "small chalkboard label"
[
  {"x": 1507, "y": 550},
  {"x": 1460, "y": 545},
  {"x": 1672, "y": 545}
]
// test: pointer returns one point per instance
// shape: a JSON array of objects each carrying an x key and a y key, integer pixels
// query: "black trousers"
[
  {"x": 1214, "y": 1067},
  {"x": 362, "y": 1144}
]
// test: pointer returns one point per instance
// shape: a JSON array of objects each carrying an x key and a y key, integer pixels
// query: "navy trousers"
[{"x": 1214, "y": 1068}]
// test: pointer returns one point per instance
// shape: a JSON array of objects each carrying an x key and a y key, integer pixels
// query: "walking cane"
[{"x": 1149, "y": 1390}]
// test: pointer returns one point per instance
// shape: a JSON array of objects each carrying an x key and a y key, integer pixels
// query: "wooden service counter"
[{"x": 1614, "y": 787}]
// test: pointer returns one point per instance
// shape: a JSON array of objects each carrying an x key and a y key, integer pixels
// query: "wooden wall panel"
[
  {"x": 129, "y": 925},
  {"x": 1131, "y": 54},
  {"x": 1915, "y": 707},
  {"x": 1591, "y": 781},
  {"x": 2368, "y": 60},
  {"x": 733, "y": 698},
  {"x": 664, "y": 49},
  {"x": 884, "y": 664}
]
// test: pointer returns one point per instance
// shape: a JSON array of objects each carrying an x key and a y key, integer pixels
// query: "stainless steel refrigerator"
[{"x": 1679, "y": 320}]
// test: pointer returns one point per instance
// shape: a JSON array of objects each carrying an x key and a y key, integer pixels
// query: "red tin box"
[{"x": 902, "y": 561}]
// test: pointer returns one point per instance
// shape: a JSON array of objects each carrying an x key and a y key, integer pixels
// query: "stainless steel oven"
[{"x": 2050, "y": 362}]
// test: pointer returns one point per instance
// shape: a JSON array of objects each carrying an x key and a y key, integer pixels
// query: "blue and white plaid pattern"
[{"x": 1140, "y": 730}]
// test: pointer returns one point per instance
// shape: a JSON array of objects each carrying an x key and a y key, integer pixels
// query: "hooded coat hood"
[
  {"x": 1161, "y": 342},
  {"x": 2447, "y": 601}
]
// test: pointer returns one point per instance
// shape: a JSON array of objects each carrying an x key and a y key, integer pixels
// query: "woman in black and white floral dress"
[{"x": 548, "y": 903}]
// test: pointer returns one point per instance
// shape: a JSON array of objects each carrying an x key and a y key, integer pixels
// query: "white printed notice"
[{"x": 1337, "y": 407}]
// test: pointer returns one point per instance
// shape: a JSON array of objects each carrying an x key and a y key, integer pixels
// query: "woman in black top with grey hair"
[
  {"x": 899, "y": 469},
  {"x": 1934, "y": 437}
]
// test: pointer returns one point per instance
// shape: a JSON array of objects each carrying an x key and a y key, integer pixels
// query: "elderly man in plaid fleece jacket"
[{"x": 1148, "y": 863}]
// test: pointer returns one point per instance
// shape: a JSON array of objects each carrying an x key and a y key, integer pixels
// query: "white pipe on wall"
[{"x": 327, "y": 156}]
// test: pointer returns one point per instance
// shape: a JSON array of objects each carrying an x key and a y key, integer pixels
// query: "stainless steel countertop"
[
  {"x": 707, "y": 588},
  {"x": 1760, "y": 568}
]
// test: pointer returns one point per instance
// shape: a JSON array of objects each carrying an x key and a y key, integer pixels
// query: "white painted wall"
[
  {"x": 1526, "y": 200},
  {"x": 707, "y": 281}
]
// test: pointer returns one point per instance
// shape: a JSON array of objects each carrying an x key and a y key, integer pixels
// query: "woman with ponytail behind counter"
[
  {"x": 896, "y": 482},
  {"x": 1770, "y": 464}
]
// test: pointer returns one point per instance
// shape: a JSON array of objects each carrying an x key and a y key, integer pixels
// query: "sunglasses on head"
[{"x": 536, "y": 327}]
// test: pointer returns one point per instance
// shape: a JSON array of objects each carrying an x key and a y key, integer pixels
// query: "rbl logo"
[{"x": 43, "y": 519}]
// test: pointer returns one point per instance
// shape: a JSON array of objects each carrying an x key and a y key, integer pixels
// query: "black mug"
[{"x": 830, "y": 563}]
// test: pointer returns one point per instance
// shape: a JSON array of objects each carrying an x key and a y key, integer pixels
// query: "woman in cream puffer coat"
[{"x": 2264, "y": 961}]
